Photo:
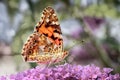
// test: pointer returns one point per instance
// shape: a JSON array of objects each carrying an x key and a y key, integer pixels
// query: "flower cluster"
[{"x": 65, "y": 72}]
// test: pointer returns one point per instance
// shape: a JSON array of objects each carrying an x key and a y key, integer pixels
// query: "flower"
[
  {"x": 87, "y": 51},
  {"x": 93, "y": 22},
  {"x": 2, "y": 78},
  {"x": 65, "y": 72}
]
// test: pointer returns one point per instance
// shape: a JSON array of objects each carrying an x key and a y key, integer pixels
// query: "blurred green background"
[{"x": 91, "y": 31}]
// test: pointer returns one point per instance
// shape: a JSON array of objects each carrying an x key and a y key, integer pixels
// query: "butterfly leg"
[{"x": 49, "y": 64}]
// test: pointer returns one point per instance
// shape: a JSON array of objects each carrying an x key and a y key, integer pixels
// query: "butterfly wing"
[{"x": 49, "y": 26}]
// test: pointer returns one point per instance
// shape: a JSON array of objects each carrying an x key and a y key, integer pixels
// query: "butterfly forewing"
[{"x": 49, "y": 26}]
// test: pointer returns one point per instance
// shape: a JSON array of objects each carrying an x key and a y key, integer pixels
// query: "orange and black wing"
[{"x": 49, "y": 26}]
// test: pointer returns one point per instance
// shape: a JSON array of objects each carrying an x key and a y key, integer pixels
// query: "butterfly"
[{"x": 45, "y": 44}]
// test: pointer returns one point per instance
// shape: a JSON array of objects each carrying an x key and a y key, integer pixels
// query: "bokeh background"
[{"x": 91, "y": 31}]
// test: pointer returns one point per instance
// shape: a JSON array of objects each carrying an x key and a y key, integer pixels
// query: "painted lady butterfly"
[{"x": 45, "y": 45}]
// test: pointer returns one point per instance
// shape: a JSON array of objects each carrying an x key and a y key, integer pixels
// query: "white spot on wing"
[
  {"x": 47, "y": 20},
  {"x": 57, "y": 23},
  {"x": 53, "y": 22},
  {"x": 54, "y": 14},
  {"x": 43, "y": 15}
]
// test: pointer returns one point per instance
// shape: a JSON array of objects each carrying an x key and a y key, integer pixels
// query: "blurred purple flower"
[
  {"x": 2, "y": 78},
  {"x": 85, "y": 52},
  {"x": 65, "y": 72},
  {"x": 88, "y": 52},
  {"x": 93, "y": 22}
]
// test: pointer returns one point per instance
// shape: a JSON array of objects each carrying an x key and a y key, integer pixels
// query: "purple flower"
[
  {"x": 65, "y": 72},
  {"x": 2, "y": 78},
  {"x": 83, "y": 52},
  {"x": 93, "y": 22}
]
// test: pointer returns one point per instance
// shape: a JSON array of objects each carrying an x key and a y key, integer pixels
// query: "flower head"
[{"x": 65, "y": 72}]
